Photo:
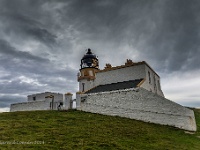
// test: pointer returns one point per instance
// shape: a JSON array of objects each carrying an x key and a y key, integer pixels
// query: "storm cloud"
[{"x": 42, "y": 42}]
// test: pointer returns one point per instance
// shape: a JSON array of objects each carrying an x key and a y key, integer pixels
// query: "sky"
[{"x": 43, "y": 41}]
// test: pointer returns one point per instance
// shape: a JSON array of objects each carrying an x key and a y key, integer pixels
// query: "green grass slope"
[{"x": 81, "y": 130}]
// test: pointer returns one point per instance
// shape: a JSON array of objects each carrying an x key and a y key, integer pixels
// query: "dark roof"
[{"x": 115, "y": 86}]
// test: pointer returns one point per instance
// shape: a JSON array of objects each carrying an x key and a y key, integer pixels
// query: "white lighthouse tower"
[{"x": 89, "y": 67}]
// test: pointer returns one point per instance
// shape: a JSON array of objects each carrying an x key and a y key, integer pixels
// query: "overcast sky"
[{"x": 42, "y": 42}]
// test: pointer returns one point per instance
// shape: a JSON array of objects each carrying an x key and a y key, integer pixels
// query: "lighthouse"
[{"x": 89, "y": 66}]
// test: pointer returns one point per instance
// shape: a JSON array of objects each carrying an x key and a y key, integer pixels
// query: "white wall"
[
  {"x": 120, "y": 75},
  {"x": 153, "y": 86},
  {"x": 41, "y": 103},
  {"x": 37, "y": 105},
  {"x": 28, "y": 106},
  {"x": 87, "y": 85},
  {"x": 141, "y": 105}
]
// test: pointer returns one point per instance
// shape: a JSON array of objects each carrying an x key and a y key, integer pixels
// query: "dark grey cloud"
[
  {"x": 175, "y": 41},
  {"x": 27, "y": 74},
  {"x": 164, "y": 32},
  {"x": 24, "y": 20},
  {"x": 10, "y": 51},
  {"x": 42, "y": 41},
  {"x": 28, "y": 28}
]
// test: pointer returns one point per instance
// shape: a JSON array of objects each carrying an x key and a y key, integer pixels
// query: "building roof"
[
  {"x": 44, "y": 93},
  {"x": 129, "y": 63},
  {"x": 115, "y": 86}
]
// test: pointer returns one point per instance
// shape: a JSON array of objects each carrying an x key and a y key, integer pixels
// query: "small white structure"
[
  {"x": 131, "y": 90},
  {"x": 68, "y": 101},
  {"x": 40, "y": 101}
]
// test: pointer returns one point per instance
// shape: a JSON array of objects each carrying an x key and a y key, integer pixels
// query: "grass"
[{"x": 81, "y": 130}]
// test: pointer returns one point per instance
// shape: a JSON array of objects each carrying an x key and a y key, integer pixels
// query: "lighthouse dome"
[{"x": 89, "y": 60}]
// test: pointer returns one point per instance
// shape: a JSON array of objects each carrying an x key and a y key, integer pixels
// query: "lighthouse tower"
[{"x": 89, "y": 67}]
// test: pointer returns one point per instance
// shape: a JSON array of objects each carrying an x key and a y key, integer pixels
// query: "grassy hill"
[{"x": 81, "y": 130}]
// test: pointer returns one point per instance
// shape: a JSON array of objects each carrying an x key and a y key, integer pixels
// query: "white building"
[
  {"x": 40, "y": 101},
  {"x": 131, "y": 90},
  {"x": 138, "y": 74}
]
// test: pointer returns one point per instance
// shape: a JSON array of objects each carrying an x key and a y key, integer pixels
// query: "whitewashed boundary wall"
[
  {"x": 138, "y": 104},
  {"x": 45, "y": 104},
  {"x": 30, "y": 106}
]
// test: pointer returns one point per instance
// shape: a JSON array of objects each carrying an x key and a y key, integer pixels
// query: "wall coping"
[
  {"x": 115, "y": 91},
  {"x": 28, "y": 102},
  {"x": 128, "y": 65}
]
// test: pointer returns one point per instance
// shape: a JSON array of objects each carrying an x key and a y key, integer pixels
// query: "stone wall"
[{"x": 139, "y": 104}]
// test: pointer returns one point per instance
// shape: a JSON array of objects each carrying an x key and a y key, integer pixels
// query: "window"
[
  {"x": 155, "y": 87},
  {"x": 159, "y": 85},
  {"x": 154, "y": 78},
  {"x": 149, "y": 77},
  {"x": 83, "y": 87},
  {"x": 34, "y": 98}
]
